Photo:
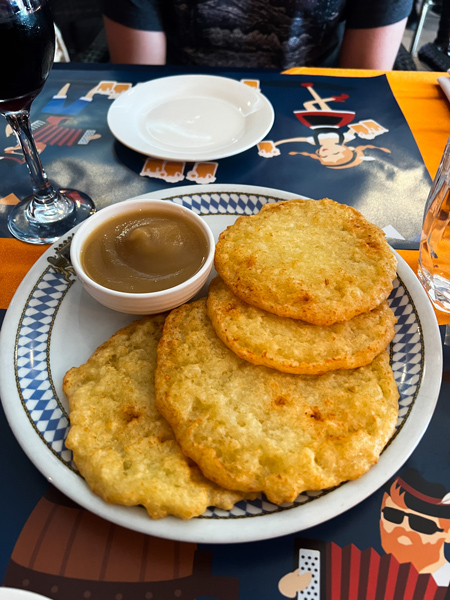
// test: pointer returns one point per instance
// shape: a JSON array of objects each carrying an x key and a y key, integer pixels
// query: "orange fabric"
[{"x": 17, "y": 258}]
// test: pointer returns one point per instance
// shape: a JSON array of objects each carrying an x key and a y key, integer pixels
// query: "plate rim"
[
  {"x": 238, "y": 530},
  {"x": 266, "y": 110},
  {"x": 9, "y": 593}
]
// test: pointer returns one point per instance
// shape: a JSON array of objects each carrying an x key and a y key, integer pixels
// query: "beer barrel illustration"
[{"x": 65, "y": 552}]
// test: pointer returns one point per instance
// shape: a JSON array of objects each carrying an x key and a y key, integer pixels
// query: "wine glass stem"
[{"x": 43, "y": 191}]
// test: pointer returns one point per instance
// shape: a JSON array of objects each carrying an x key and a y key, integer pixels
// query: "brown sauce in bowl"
[{"x": 148, "y": 251}]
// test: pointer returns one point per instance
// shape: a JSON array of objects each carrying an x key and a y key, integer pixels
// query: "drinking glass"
[
  {"x": 434, "y": 254},
  {"x": 27, "y": 47}
]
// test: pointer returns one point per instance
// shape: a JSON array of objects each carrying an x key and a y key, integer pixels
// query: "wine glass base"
[{"x": 34, "y": 231}]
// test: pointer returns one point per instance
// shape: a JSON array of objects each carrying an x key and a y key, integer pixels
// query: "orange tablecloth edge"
[{"x": 18, "y": 258}]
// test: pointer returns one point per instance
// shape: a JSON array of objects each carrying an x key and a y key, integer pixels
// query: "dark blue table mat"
[
  {"x": 389, "y": 190},
  {"x": 389, "y": 186}
]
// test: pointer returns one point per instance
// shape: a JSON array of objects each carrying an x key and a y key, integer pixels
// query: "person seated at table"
[{"x": 256, "y": 34}]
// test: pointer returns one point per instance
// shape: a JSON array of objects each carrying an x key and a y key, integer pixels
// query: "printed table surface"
[{"x": 388, "y": 134}]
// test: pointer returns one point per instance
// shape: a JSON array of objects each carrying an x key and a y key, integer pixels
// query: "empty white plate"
[{"x": 191, "y": 117}]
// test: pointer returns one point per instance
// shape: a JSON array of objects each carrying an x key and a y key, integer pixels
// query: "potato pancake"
[
  {"x": 123, "y": 447},
  {"x": 254, "y": 429},
  {"x": 314, "y": 260}
]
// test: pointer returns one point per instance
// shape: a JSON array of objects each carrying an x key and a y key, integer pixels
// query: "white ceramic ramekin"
[{"x": 141, "y": 303}]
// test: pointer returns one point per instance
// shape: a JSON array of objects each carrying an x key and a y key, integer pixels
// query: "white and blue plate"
[{"x": 53, "y": 324}]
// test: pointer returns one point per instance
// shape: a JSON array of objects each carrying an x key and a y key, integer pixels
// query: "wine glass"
[{"x": 27, "y": 45}]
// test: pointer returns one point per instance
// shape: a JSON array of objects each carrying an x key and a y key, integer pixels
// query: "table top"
[{"x": 50, "y": 545}]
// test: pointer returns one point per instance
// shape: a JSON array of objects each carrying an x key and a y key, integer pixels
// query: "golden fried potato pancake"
[
  {"x": 251, "y": 428},
  {"x": 315, "y": 260},
  {"x": 294, "y": 346},
  {"x": 122, "y": 446}
]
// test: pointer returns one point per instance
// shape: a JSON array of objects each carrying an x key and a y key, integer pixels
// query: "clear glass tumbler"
[{"x": 434, "y": 255}]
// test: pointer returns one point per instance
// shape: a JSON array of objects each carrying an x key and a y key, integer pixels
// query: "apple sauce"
[{"x": 148, "y": 251}]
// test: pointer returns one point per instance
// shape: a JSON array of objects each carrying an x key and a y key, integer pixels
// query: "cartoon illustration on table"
[
  {"x": 58, "y": 104},
  {"x": 50, "y": 132},
  {"x": 172, "y": 171},
  {"x": 168, "y": 171},
  {"x": 333, "y": 145},
  {"x": 53, "y": 131},
  {"x": 53, "y": 557},
  {"x": 414, "y": 529},
  {"x": 415, "y": 525}
]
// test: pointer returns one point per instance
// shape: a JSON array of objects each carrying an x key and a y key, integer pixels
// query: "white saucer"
[{"x": 191, "y": 117}]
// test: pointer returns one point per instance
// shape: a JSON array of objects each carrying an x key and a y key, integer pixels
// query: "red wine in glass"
[{"x": 27, "y": 39}]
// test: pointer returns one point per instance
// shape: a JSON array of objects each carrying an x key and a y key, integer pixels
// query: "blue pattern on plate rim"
[{"x": 32, "y": 361}]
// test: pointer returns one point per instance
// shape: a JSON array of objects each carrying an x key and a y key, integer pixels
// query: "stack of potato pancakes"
[{"x": 278, "y": 382}]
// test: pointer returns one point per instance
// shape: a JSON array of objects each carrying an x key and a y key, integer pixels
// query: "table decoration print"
[
  {"x": 51, "y": 312},
  {"x": 71, "y": 125},
  {"x": 54, "y": 547},
  {"x": 28, "y": 31}
]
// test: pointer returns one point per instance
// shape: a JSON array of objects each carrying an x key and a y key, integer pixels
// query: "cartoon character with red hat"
[
  {"x": 327, "y": 135},
  {"x": 415, "y": 524}
]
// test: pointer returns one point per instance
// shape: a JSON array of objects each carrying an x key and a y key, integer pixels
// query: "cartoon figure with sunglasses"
[
  {"x": 414, "y": 529},
  {"x": 415, "y": 524}
]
